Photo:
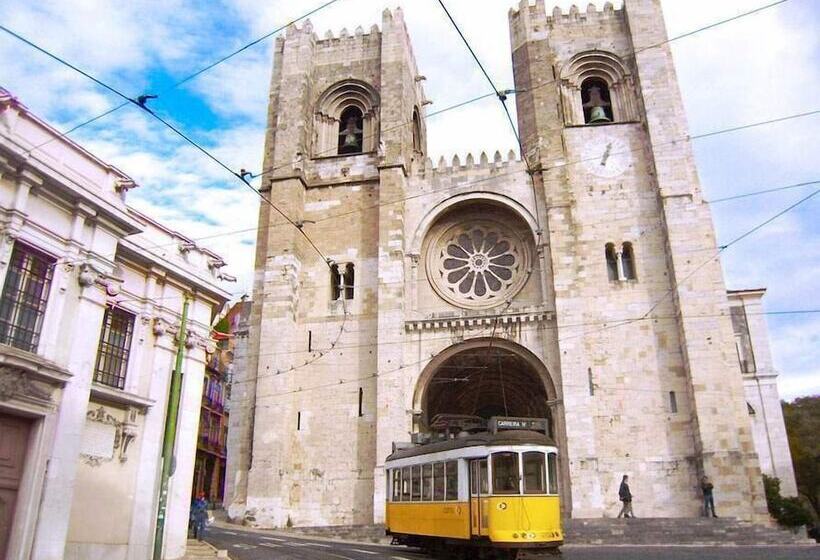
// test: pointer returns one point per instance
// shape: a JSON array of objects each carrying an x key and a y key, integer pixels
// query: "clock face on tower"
[{"x": 606, "y": 156}]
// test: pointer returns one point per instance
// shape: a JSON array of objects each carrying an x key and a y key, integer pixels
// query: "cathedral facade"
[{"x": 577, "y": 282}]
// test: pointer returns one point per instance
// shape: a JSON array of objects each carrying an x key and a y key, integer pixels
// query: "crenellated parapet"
[
  {"x": 470, "y": 165},
  {"x": 532, "y": 21},
  {"x": 346, "y": 39}
]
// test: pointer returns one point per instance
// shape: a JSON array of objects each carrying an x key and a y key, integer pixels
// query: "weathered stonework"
[{"x": 330, "y": 385}]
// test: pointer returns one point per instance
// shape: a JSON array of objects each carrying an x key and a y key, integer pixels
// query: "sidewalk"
[{"x": 198, "y": 550}]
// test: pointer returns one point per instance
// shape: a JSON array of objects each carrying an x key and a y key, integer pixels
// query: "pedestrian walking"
[
  {"x": 626, "y": 497},
  {"x": 708, "y": 496},
  {"x": 199, "y": 515}
]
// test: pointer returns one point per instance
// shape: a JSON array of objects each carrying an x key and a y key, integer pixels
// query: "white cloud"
[{"x": 749, "y": 70}]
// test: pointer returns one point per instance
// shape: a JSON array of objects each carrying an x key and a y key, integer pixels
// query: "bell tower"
[
  {"x": 343, "y": 130},
  {"x": 650, "y": 386}
]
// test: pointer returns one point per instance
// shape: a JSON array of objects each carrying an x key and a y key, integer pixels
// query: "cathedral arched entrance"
[{"x": 485, "y": 377}]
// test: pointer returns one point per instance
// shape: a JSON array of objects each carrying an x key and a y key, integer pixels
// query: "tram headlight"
[{"x": 502, "y": 506}]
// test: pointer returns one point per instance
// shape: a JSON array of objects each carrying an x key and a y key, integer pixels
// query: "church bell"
[
  {"x": 350, "y": 139},
  {"x": 598, "y": 115},
  {"x": 596, "y": 104}
]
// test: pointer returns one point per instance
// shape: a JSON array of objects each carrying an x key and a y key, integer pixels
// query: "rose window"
[{"x": 478, "y": 264}]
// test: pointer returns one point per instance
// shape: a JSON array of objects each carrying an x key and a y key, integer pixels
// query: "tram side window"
[
  {"x": 534, "y": 476},
  {"x": 452, "y": 480},
  {"x": 416, "y": 484},
  {"x": 427, "y": 482},
  {"x": 405, "y": 484},
  {"x": 396, "y": 485},
  {"x": 474, "y": 478},
  {"x": 484, "y": 477},
  {"x": 552, "y": 470},
  {"x": 438, "y": 482},
  {"x": 505, "y": 473}
]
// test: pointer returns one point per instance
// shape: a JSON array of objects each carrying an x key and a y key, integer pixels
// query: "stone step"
[
  {"x": 704, "y": 531},
  {"x": 675, "y": 531}
]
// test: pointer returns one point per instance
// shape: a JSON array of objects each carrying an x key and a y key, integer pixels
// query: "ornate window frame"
[
  {"x": 605, "y": 66},
  {"x": 478, "y": 264},
  {"x": 327, "y": 116}
]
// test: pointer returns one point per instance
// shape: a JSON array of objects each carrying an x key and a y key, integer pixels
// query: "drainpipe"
[{"x": 168, "y": 462}]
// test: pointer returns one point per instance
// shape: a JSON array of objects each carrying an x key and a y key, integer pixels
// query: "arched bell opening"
[
  {"x": 351, "y": 130},
  {"x": 596, "y": 101}
]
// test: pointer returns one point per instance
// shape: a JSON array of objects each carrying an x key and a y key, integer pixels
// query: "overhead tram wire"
[
  {"x": 434, "y": 355},
  {"x": 249, "y": 230},
  {"x": 495, "y": 176},
  {"x": 502, "y": 97},
  {"x": 678, "y": 283},
  {"x": 647, "y": 315},
  {"x": 189, "y": 77},
  {"x": 332, "y": 151},
  {"x": 494, "y": 93},
  {"x": 711, "y": 26},
  {"x": 762, "y": 192},
  {"x": 241, "y": 176}
]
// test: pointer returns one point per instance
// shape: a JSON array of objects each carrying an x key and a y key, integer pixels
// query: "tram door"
[{"x": 479, "y": 497}]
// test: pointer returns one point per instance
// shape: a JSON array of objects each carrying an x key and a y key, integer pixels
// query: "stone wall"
[{"x": 638, "y": 367}]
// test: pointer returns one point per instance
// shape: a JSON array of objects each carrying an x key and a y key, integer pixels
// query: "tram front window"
[
  {"x": 505, "y": 473},
  {"x": 534, "y": 473},
  {"x": 552, "y": 463}
]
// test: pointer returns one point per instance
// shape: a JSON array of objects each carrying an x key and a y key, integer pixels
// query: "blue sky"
[{"x": 763, "y": 66}]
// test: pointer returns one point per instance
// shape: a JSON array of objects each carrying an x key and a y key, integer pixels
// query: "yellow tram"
[{"x": 481, "y": 495}]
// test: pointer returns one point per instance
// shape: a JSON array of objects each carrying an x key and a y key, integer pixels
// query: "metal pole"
[{"x": 170, "y": 432}]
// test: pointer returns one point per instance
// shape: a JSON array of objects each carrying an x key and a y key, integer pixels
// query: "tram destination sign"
[{"x": 499, "y": 423}]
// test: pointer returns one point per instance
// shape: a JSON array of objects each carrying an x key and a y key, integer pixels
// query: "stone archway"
[{"x": 484, "y": 379}]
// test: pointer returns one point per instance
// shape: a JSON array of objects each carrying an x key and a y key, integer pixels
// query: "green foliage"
[
  {"x": 802, "y": 425},
  {"x": 789, "y": 512}
]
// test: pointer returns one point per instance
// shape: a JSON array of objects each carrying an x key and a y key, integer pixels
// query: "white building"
[
  {"x": 760, "y": 385},
  {"x": 92, "y": 293}
]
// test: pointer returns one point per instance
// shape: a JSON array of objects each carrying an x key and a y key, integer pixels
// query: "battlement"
[
  {"x": 330, "y": 39},
  {"x": 426, "y": 167},
  {"x": 532, "y": 20}
]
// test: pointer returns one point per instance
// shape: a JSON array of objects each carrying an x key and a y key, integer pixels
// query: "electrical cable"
[
  {"x": 141, "y": 102},
  {"x": 187, "y": 78},
  {"x": 646, "y": 315},
  {"x": 271, "y": 226},
  {"x": 495, "y": 92},
  {"x": 479, "y": 335}
]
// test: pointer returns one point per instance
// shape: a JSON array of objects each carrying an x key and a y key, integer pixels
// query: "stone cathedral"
[{"x": 574, "y": 282}]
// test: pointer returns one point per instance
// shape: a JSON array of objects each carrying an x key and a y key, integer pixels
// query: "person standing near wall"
[{"x": 708, "y": 496}]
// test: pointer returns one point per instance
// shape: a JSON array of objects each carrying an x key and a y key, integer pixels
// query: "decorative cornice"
[{"x": 434, "y": 323}]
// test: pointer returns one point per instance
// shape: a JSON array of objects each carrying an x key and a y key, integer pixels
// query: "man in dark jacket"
[
  {"x": 626, "y": 497},
  {"x": 708, "y": 496}
]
